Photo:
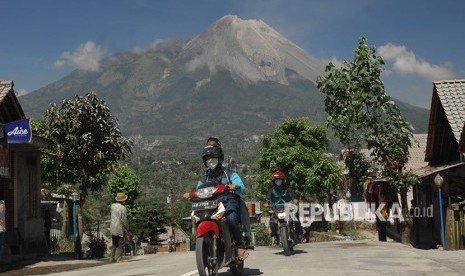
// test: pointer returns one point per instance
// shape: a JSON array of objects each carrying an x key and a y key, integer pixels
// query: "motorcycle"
[
  {"x": 214, "y": 248},
  {"x": 285, "y": 227}
]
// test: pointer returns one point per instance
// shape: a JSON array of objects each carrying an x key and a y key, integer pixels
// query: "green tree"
[
  {"x": 87, "y": 141},
  {"x": 147, "y": 222},
  {"x": 325, "y": 175},
  {"x": 125, "y": 179},
  {"x": 144, "y": 221},
  {"x": 296, "y": 148},
  {"x": 361, "y": 113}
]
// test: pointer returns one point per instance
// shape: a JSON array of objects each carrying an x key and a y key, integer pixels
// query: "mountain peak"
[{"x": 251, "y": 50}]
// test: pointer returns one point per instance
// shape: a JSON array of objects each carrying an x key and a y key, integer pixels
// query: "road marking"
[{"x": 190, "y": 273}]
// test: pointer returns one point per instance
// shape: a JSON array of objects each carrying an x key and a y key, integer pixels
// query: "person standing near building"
[
  {"x": 2, "y": 226},
  {"x": 118, "y": 227}
]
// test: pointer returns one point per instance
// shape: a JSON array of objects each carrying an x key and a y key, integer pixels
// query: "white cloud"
[
  {"x": 336, "y": 62},
  {"x": 405, "y": 62},
  {"x": 21, "y": 92},
  {"x": 87, "y": 57}
]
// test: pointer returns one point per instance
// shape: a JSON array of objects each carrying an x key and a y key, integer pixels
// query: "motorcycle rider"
[
  {"x": 213, "y": 157},
  {"x": 281, "y": 192},
  {"x": 243, "y": 211}
]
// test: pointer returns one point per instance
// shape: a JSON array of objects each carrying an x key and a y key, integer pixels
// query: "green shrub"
[
  {"x": 54, "y": 248},
  {"x": 262, "y": 236},
  {"x": 61, "y": 245},
  {"x": 97, "y": 246}
]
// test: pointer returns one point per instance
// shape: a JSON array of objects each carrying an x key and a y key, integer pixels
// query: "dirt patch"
[
  {"x": 323, "y": 237},
  {"x": 320, "y": 236},
  {"x": 43, "y": 270}
]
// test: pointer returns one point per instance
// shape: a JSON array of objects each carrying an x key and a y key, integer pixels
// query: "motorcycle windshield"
[{"x": 207, "y": 185}]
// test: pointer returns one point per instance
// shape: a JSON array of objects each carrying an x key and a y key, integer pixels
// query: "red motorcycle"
[{"x": 214, "y": 248}]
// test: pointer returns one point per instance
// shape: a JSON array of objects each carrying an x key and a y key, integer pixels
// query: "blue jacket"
[{"x": 225, "y": 177}]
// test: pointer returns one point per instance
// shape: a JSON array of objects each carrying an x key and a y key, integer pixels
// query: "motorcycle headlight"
[
  {"x": 205, "y": 192},
  {"x": 281, "y": 215}
]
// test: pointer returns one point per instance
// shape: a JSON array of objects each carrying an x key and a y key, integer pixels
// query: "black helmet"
[{"x": 214, "y": 151}]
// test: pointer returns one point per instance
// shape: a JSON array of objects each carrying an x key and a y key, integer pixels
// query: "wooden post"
[
  {"x": 449, "y": 229},
  {"x": 172, "y": 211},
  {"x": 64, "y": 215}
]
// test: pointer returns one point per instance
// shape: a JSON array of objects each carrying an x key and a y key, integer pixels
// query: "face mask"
[
  {"x": 212, "y": 163},
  {"x": 278, "y": 182}
]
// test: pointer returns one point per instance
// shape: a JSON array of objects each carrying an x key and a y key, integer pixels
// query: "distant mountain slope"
[{"x": 237, "y": 79}]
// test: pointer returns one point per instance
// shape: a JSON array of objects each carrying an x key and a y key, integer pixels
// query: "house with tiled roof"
[
  {"x": 20, "y": 177},
  {"x": 445, "y": 132},
  {"x": 415, "y": 162}
]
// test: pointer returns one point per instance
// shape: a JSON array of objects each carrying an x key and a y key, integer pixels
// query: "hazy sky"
[{"x": 420, "y": 40}]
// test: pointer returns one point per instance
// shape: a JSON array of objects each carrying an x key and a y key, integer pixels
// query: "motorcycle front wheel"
[
  {"x": 207, "y": 264},
  {"x": 284, "y": 236}
]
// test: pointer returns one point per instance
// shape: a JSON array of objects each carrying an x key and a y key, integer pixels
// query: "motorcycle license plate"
[{"x": 204, "y": 205}]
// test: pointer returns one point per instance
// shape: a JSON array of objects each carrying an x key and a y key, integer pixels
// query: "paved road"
[{"x": 328, "y": 258}]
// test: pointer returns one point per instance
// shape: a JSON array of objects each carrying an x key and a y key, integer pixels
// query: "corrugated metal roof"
[
  {"x": 452, "y": 96},
  {"x": 429, "y": 170}
]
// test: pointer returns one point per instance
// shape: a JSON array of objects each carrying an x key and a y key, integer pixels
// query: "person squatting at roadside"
[
  {"x": 280, "y": 192},
  {"x": 213, "y": 157},
  {"x": 243, "y": 211}
]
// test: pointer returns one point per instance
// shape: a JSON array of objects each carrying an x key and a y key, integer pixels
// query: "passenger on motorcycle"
[
  {"x": 213, "y": 160},
  {"x": 280, "y": 192},
  {"x": 243, "y": 211}
]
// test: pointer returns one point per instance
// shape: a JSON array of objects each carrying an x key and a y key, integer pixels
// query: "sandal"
[{"x": 243, "y": 254}]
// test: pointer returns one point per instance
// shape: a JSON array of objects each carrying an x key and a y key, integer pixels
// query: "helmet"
[
  {"x": 279, "y": 175},
  {"x": 215, "y": 151},
  {"x": 214, "y": 140}
]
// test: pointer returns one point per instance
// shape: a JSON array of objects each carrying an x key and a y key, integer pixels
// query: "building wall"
[
  {"x": 428, "y": 229},
  {"x": 30, "y": 223}
]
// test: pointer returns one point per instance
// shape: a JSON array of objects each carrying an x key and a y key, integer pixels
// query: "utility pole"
[{"x": 172, "y": 210}]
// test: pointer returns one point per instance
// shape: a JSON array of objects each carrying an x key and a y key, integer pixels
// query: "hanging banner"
[
  {"x": 4, "y": 160},
  {"x": 18, "y": 131}
]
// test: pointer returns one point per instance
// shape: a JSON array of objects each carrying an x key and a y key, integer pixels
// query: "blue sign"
[{"x": 18, "y": 131}]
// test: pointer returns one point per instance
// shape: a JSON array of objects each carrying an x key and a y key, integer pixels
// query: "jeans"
[
  {"x": 245, "y": 219},
  {"x": 232, "y": 208}
]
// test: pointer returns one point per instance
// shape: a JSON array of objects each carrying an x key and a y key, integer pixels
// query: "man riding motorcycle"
[
  {"x": 213, "y": 157},
  {"x": 280, "y": 192}
]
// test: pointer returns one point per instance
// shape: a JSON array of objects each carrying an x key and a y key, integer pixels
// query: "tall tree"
[
  {"x": 87, "y": 140},
  {"x": 361, "y": 113},
  {"x": 297, "y": 149}
]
